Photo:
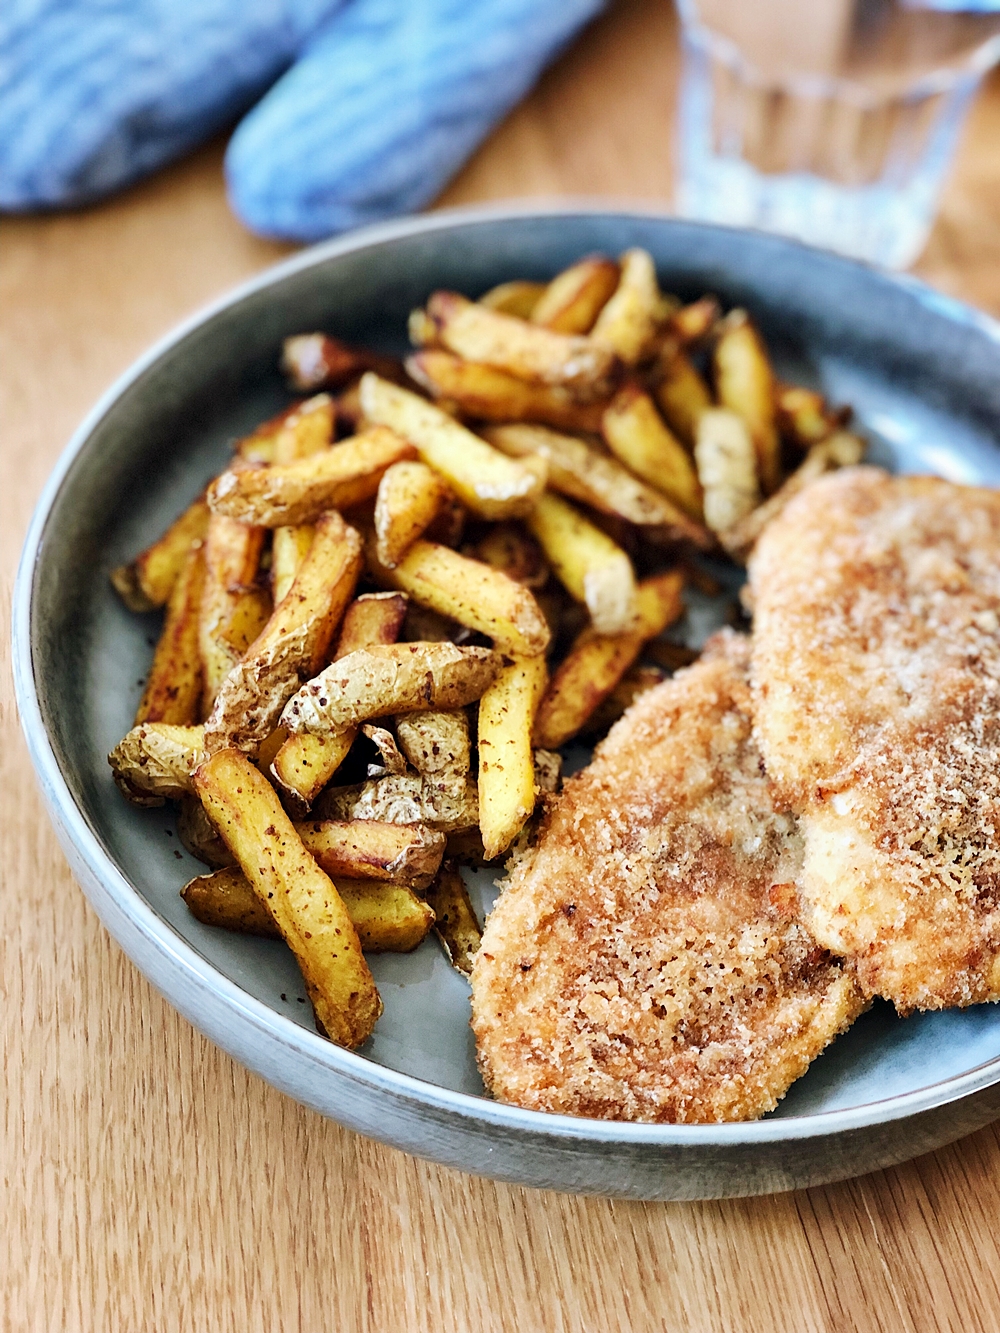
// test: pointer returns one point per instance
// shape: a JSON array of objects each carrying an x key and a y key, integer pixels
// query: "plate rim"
[{"x": 188, "y": 963}]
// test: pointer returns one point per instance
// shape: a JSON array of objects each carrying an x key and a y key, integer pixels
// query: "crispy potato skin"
[
  {"x": 173, "y": 687},
  {"x": 305, "y": 764},
  {"x": 472, "y": 593},
  {"x": 394, "y": 678},
  {"x": 487, "y": 482},
  {"x": 506, "y": 760},
  {"x": 293, "y": 645},
  {"x": 642, "y": 963},
  {"x": 727, "y": 468},
  {"x": 374, "y": 849},
  {"x": 287, "y": 494},
  {"x": 316, "y": 361},
  {"x": 154, "y": 762},
  {"x": 305, "y": 904},
  {"x": 596, "y": 662},
  {"x": 436, "y": 743},
  {"x": 149, "y": 580},
  {"x": 444, "y": 802},
  {"x": 478, "y": 334},
  {"x": 409, "y": 497}
]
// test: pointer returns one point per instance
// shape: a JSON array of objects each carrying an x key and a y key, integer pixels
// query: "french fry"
[
  {"x": 574, "y": 298},
  {"x": 841, "y": 449},
  {"x": 694, "y": 322},
  {"x": 637, "y": 436},
  {"x": 310, "y": 914},
  {"x": 506, "y": 762},
  {"x": 305, "y": 763},
  {"x": 232, "y": 554},
  {"x": 290, "y": 548},
  {"x": 635, "y": 682},
  {"x": 292, "y": 646},
  {"x": 199, "y": 835},
  {"x": 493, "y": 395},
  {"x": 393, "y": 678},
  {"x": 513, "y": 298},
  {"x": 293, "y": 493},
  {"x": 630, "y": 320},
  {"x": 437, "y": 743},
  {"x": 507, "y": 547},
  {"x": 316, "y": 361},
  {"x": 472, "y": 593},
  {"x": 596, "y": 662},
  {"x": 727, "y": 460},
  {"x": 589, "y": 565},
  {"x": 744, "y": 382},
  {"x": 682, "y": 394},
  {"x": 409, "y": 497},
  {"x": 149, "y": 580},
  {"x": 306, "y": 431},
  {"x": 444, "y": 803},
  {"x": 455, "y": 921},
  {"x": 258, "y": 447},
  {"x": 374, "y": 849},
  {"x": 479, "y": 334},
  {"x": 581, "y": 472},
  {"x": 804, "y": 415},
  {"x": 154, "y": 762},
  {"x": 173, "y": 687},
  {"x": 487, "y": 482},
  {"x": 389, "y": 918}
]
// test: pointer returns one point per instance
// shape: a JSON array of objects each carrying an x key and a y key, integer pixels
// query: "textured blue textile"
[{"x": 373, "y": 104}]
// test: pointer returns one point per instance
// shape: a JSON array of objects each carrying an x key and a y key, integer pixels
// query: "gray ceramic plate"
[{"x": 923, "y": 374}]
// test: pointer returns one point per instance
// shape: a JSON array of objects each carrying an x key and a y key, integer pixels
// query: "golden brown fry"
[
  {"x": 636, "y": 434},
  {"x": 682, "y": 394},
  {"x": 744, "y": 382},
  {"x": 507, "y": 547},
  {"x": 476, "y": 333},
  {"x": 804, "y": 415},
  {"x": 456, "y": 925},
  {"x": 291, "y": 546},
  {"x": 374, "y": 849},
  {"x": 436, "y": 743},
  {"x": 574, "y": 298},
  {"x": 305, "y": 904},
  {"x": 305, "y": 764},
  {"x": 635, "y": 682},
  {"x": 493, "y": 395},
  {"x": 232, "y": 554},
  {"x": 199, "y": 835},
  {"x": 316, "y": 361},
  {"x": 597, "y": 662},
  {"x": 513, "y": 298},
  {"x": 293, "y": 493},
  {"x": 630, "y": 320},
  {"x": 393, "y": 678},
  {"x": 389, "y": 918},
  {"x": 173, "y": 687},
  {"x": 306, "y": 432},
  {"x": 293, "y": 645},
  {"x": 694, "y": 322},
  {"x": 409, "y": 497},
  {"x": 506, "y": 762},
  {"x": 259, "y": 446},
  {"x": 446, "y": 803},
  {"x": 490, "y": 484},
  {"x": 583, "y": 473},
  {"x": 840, "y": 450},
  {"x": 154, "y": 762},
  {"x": 472, "y": 593},
  {"x": 589, "y": 565},
  {"x": 149, "y": 580},
  {"x": 727, "y": 468}
]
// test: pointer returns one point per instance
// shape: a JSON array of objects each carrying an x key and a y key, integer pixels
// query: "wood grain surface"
[{"x": 148, "y": 1182}]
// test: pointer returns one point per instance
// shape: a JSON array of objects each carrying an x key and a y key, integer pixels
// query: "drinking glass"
[{"x": 830, "y": 120}]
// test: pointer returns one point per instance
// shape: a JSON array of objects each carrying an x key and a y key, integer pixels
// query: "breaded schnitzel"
[
  {"x": 876, "y": 667},
  {"x": 645, "y": 962}
]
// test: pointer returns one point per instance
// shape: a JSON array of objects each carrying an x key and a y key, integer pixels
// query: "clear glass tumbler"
[{"x": 830, "y": 120}]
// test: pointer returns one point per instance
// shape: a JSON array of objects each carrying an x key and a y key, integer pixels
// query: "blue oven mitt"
[{"x": 368, "y": 106}]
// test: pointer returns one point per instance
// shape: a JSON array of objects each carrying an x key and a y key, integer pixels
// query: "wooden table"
[{"x": 151, "y": 1183}]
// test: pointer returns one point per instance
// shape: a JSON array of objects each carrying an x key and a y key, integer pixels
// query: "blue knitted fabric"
[{"x": 372, "y": 104}]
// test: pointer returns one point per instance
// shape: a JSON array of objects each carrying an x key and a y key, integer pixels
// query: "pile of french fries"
[{"x": 410, "y": 589}]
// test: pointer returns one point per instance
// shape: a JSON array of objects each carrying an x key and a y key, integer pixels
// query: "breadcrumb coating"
[
  {"x": 876, "y": 668},
  {"x": 645, "y": 962}
]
